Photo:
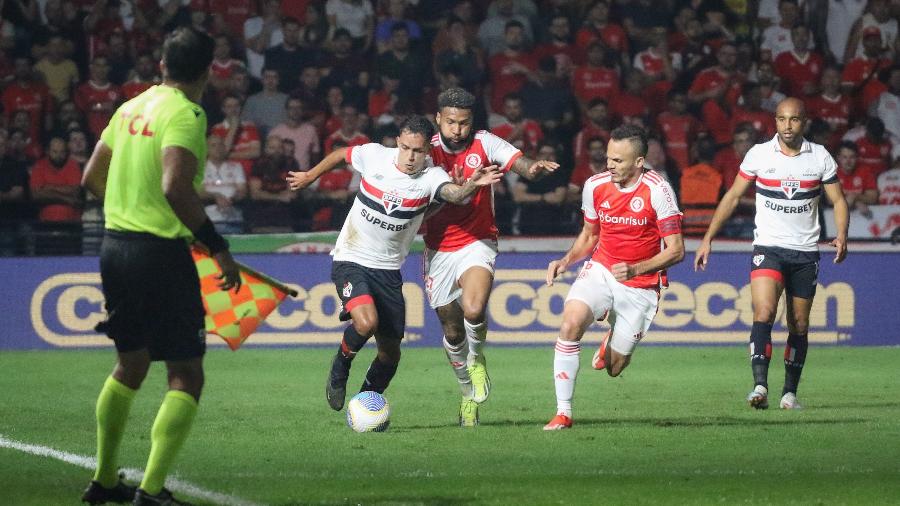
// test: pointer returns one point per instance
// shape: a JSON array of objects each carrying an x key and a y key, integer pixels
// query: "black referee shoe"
[
  {"x": 96, "y": 493},
  {"x": 336, "y": 386},
  {"x": 163, "y": 498}
]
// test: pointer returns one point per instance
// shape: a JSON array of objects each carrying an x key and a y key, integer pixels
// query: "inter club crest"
[
  {"x": 391, "y": 200},
  {"x": 348, "y": 290},
  {"x": 790, "y": 187},
  {"x": 473, "y": 160},
  {"x": 758, "y": 259},
  {"x": 636, "y": 204}
]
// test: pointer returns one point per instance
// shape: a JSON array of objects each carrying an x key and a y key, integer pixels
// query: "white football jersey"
[
  {"x": 787, "y": 193},
  {"x": 388, "y": 208}
]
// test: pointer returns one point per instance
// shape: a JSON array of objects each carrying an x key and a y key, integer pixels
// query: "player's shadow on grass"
[
  {"x": 718, "y": 421},
  {"x": 396, "y": 500}
]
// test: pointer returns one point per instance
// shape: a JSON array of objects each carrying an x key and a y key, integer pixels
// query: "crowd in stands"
[{"x": 294, "y": 79}]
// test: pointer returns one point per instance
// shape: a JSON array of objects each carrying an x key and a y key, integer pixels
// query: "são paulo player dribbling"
[{"x": 627, "y": 212}]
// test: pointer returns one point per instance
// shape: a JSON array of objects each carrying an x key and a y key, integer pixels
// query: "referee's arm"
[
  {"x": 179, "y": 167},
  {"x": 97, "y": 170}
]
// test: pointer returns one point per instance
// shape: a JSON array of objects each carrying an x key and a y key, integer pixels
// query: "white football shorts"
[
  {"x": 444, "y": 268},
  {"x": 631, "y": 310}
]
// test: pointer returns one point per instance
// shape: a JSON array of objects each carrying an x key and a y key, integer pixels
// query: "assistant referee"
[{"x": 147, "y": 168}]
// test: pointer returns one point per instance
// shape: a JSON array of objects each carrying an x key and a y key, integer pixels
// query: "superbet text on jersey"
[
  {"x": 632, "y": 221},
  {"x": 454, "y": 227}
]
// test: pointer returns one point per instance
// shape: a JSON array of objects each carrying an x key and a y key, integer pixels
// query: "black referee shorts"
[
  {"x": 152, "y": 293},
  {"x": 358, "y": 285},
  {"x": 798, "y": 271}
]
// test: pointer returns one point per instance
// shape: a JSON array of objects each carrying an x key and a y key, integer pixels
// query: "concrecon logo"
[{"x": 65, "y": 308}]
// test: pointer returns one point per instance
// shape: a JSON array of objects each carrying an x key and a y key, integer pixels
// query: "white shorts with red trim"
[
  {"x": 444, "y": 268},
  {"x": 631, "y": 310}
]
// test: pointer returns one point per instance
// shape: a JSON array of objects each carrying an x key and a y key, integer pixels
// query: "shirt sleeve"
[
  {"x": 588, "y": 208},
  {"x": 668, "y": 216},
  {"x": 360, "y": 157},
  {"x": 749, "y": 168},
  {"x": 439, "y": 178},
  {"x": 499, "y": 151},
  {"x": 829, "y": 169},
  {"x": 186, "y": 129}
]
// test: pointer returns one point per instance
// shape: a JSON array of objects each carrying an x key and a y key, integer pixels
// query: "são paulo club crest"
[
  {"x": 391, "y": 200},
  {"x": 758, "y": 259},
  {"x": 473, "y": 160},
  {"x": 348, "y": 290},
  {"x": 790, "y": 187},
  {"x": 636, "y": 204}
]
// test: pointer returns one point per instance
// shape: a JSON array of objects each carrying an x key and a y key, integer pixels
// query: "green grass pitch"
[{"x": 674, "y": 429}]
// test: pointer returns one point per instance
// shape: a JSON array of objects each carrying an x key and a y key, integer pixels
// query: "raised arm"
[
  {"x": 724, "y": 211},
  {"x": 300, "y": 180},
  {"x": 533, "y": 170},
  {"x": 458, "y": 194}
]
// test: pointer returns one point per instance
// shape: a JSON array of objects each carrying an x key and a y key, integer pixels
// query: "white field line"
[{"x": 174, "y": 484}]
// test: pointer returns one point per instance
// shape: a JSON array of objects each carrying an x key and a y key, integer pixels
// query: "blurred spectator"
[
  {"x": 27, "y": 94},
  {"x": 831, "y": 105},
  {"x": 241, "y": 138},
  {"x": 223, "y": 65},
  {"x": 510, "y": 69},
  {"x": 728, "y": 162},
  {"x": 598, "y": 27},
  {"x": 460, "y": 55},
  {"x": 145, "y": 76},
  {"x": 559, "y": 45},
  {"x": 493, "y": 32},
  {"x": 656, "y": 61},
  {"x": 526, "y": 8},
  {"x": 463, "y": 12},
  {"x": 224, "y": 186},
  {"x": 266, "y": 108},
  {"x": 656, "y": 159},
  {"x": 717, "y": 90},
  {"x": 31, "y": 147},
  {"x": 540, "y": 203},
  {"x": 102, "y": 21},
  {"x": 776, "y": 39},
  {"x": 301, "y": 132},
  {"x": 889, "y": 186},
  {"x": 859, "y": 183},
  {"x": 288, "y": 58},
  {"x": 643, "y": 19},
  {"x": 382, "y": 100},
  {"x": 877, "y": 16},
  {"x": 331, "y": 196},
  {"x": 597, "y": 78},
  {"x": 799, "y": 69},
  {"x": 270, "y": 209},
  {"x": 519, "y": 130},
  {"x": 679, "y": 129},
  {"x": 78, "y": 146},
  {"x": 119, "y": 58},
  {"x": 56, "y": 190},
  {"x": 56, "y": 24},
  {"x": 768, "y": 86},
  {"x": 887, "y": 107},
  {"x": 840, "y": 17},
  {"x": 349, "y": 134},
  {"x": 695, "y": 51},
  {"x": 261, "y": 33},
  {"x": 233, "y": 13},
  {"x": 596, "y": 124},
  {"x": 860, "y": 76},
  {"x": 59, "y": 73},
  {"x": 549, "y": 101},
  {"x": 405, "y": 62},
  {"x": 630, "y": 104},
  {"x": 751, "y": 111},
  {"x": 310, "y": 91},
  {"x": 14, "y": 201},
  {"x": 701, "y": 187},
  {"x": 346, "y": 69},
  {"x": 396, "y": 13},
  {"x": 314, "y": 32},
  {"x": 594, "y": 163},
  {"x": 874, "y": 144},
  {"x": 98, "y": 98},
  {"x": 355, "y": 16}
]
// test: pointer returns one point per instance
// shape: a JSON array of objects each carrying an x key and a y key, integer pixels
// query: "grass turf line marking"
[{"x": 173, "y": 484}]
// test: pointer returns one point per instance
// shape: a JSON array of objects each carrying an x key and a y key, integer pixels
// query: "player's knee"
[
  {"x": 570, "y": 330},
  {"x": 764, "y": 314},
  {"x": 389, "y": 356},
  {"x": 366, "y": 326},
  {"x": 799, "y": 327},
  {"x": 473, "y": 311}
]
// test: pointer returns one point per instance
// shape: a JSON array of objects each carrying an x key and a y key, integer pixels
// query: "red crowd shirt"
[
  {"x": 44, "y": 173},
  {"x": 796, "y": 71},
  {"x": 97, "y": 103},
  {"x": 612, "y": 35},
  {"x": 34, "y": 98},
  {"x": 134, "y": 88},
  {"x": 589, "y": 83},
  {"x": 357, "y": 139},
  {"x": 679, "y": 132},
  {"x": 504, "y": 83},
  {"x": 246, "y": 134},
  {"x": 532, "y": 134},
  {"x": 858, "y": 181}
]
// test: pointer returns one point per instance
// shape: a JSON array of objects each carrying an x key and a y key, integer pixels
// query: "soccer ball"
[{"x": 368, "y": 412}]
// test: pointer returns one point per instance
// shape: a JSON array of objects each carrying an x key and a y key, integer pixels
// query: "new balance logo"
[
  {"x": 562, "y": 376},
  {"x": 605, "y": 204}
]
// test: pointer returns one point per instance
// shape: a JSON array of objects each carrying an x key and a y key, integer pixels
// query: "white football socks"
[
  {"x": 475, "y": 335},
  {"x": 565, "y": 370},
  {"x": 457, "y": 354}
]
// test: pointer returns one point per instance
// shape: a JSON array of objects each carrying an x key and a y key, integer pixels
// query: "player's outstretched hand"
[
  {"x": 622, "y": 271},
  {"x": 231, "y": 274},
  {"x": 486, "y": 176},
  {"x": 701, "y": 257},
  {"x": 542, "y": 166},
  {"x": 554, "y": 269},
  {"x": 841, "y": 244},
  {"x": 299, "y": 180}
]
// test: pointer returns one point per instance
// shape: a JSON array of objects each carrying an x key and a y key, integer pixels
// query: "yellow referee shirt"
[{"x": 160, "y": 117}]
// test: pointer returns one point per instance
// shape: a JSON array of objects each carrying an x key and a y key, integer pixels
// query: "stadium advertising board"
[{"x": 55, "y": 302}]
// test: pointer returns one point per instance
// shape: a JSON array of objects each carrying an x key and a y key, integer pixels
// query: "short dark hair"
[
  {"x": 399, "y": 26},
  {"x": 633, "y": 133},
  {"x": 848, "y": 145},
  {"x": 187, "y": 54},
  {"x": 418, "y": 125},
  {"x": 457, "y": 98},
  {"x": 513, "y": 24}
]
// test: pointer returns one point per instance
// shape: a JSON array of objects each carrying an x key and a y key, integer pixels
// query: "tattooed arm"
[
  {"x": 533, "y": 170},
  {"x": 458, "y": 194}
]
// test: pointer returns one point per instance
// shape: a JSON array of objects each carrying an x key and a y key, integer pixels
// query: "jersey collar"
[{"x": 805, "y": 147}]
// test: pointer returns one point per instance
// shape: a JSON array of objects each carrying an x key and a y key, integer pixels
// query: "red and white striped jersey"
[
  {"x": 787, "y": 193},
  {"x": 388, "y": 209},
  {"x": 632, "y": 221},
  {"x": 456, "y": 226}
]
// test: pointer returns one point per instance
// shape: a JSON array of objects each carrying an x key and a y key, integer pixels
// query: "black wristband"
[{"x": 210, "y": 238}]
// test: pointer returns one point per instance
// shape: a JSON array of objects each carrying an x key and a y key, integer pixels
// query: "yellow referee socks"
[
  {"x": 172, "y": 425},
  {"x": 113, "y": 406}
]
